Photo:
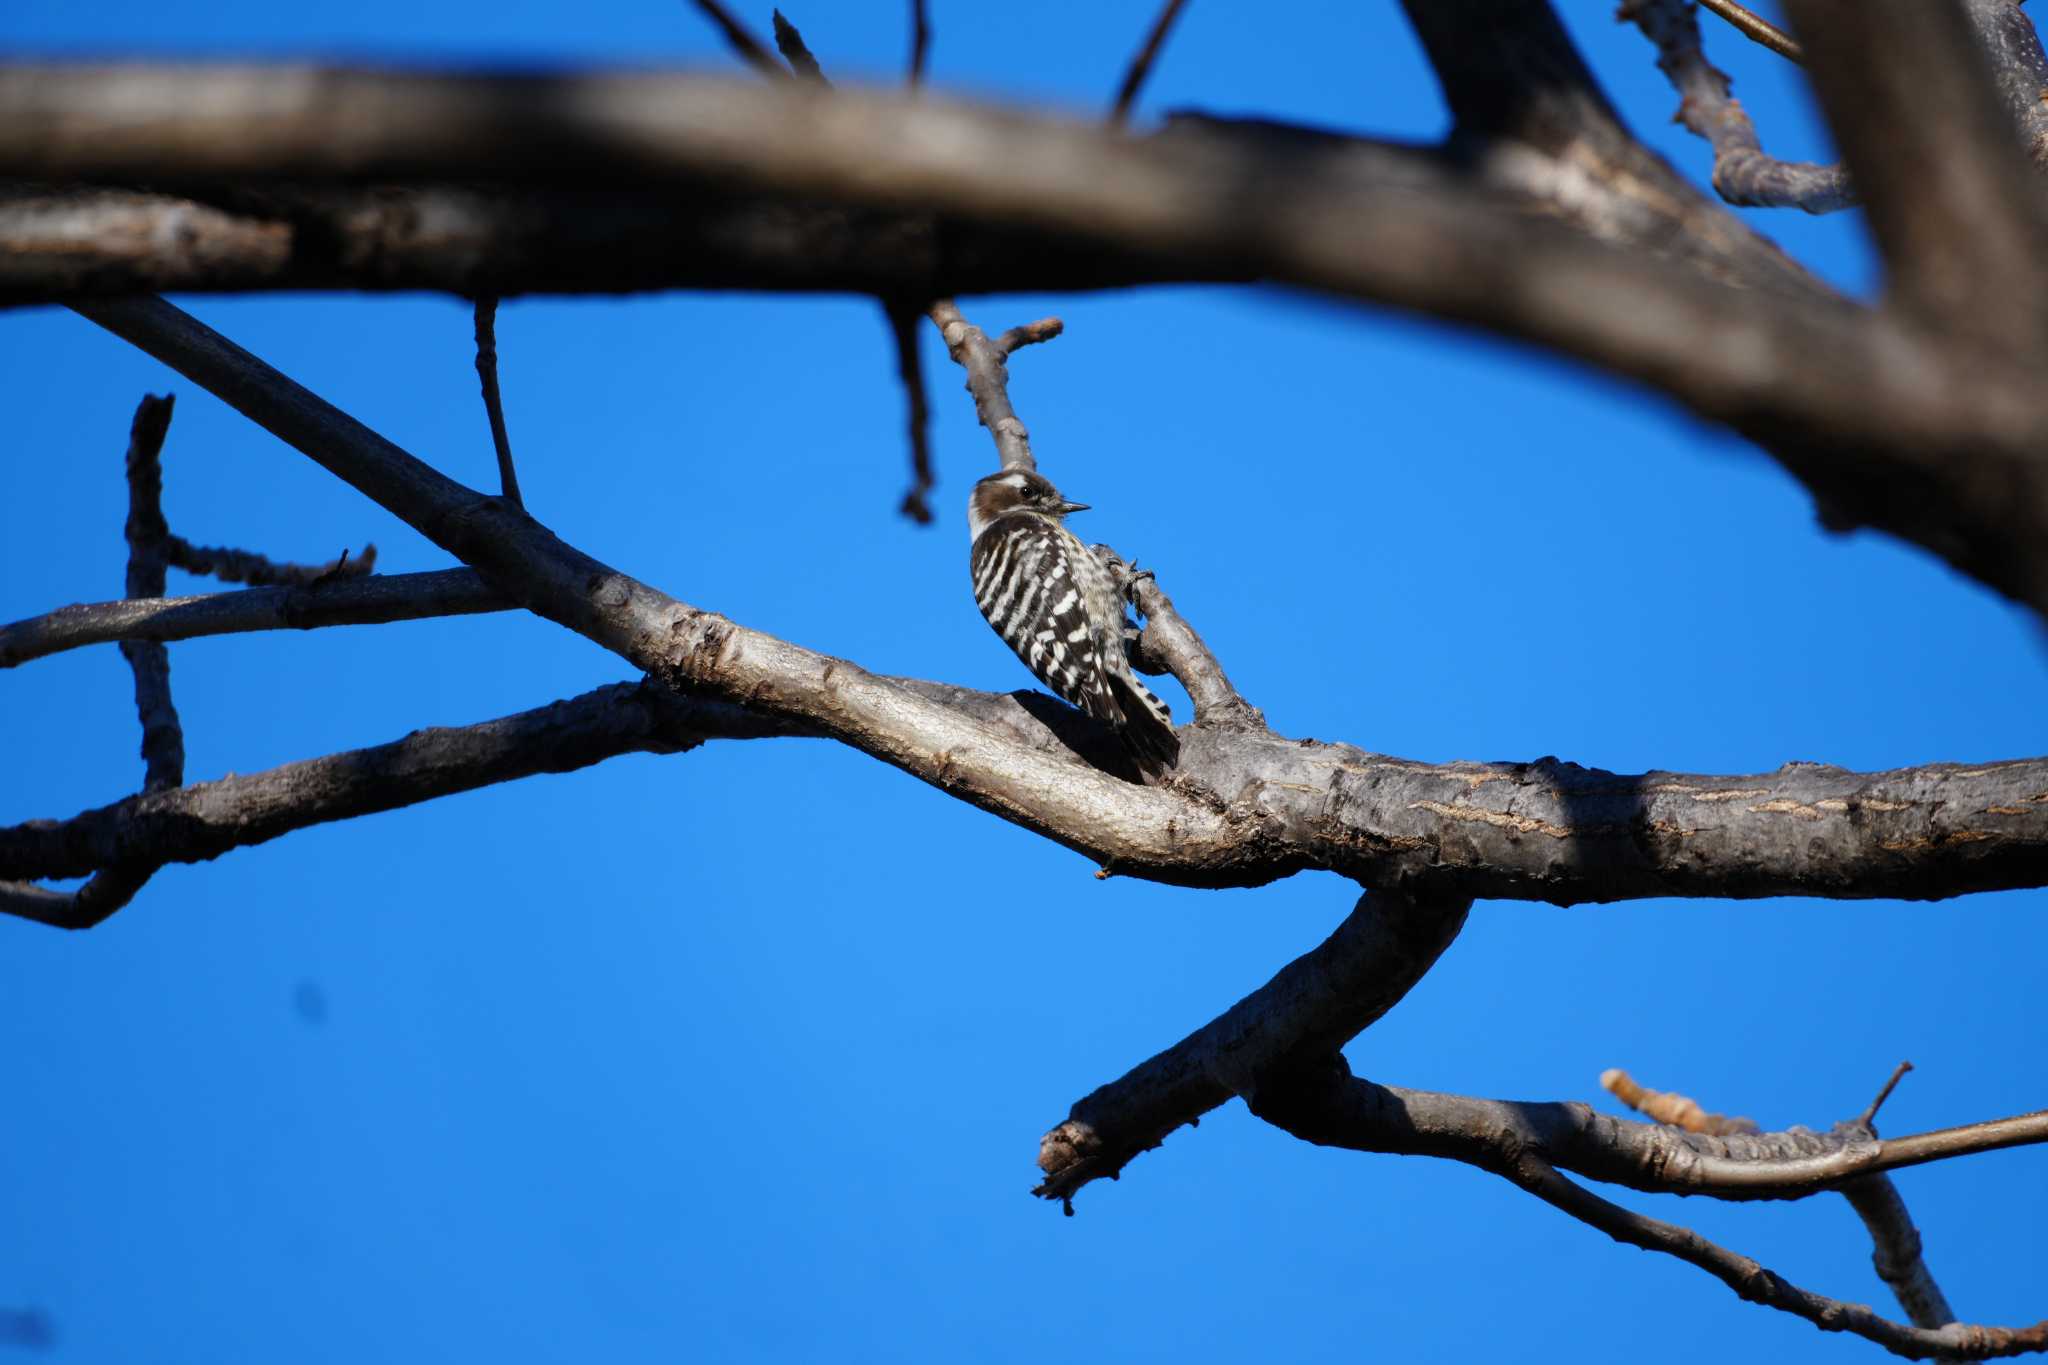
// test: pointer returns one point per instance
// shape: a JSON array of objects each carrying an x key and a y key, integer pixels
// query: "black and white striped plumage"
[{"x": 1055, "y": 604}]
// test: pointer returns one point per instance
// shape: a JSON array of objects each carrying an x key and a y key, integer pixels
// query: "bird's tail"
[{"x": 1147, "y": 730}]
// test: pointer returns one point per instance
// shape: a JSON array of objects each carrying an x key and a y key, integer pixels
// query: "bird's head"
[{"x": 1015, "y": 490}]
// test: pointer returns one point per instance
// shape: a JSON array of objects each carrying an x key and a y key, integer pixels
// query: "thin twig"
[
  {"x": 1030, "y": 334},
  {"x": 742, "y": 41},
  {"x": 1756, "y": 28},
  {"x": 1870, "y": 1114},
  {"x": 791, "y": 45},
  {"x": 903, "y": 329},
  {"x": 494, "y": 407},
  {"x": 920, "y": 43},
  {"x": 1141, "y": 65},
  {"x": 372, "y": 600},
  {"x": 246, "y": 566}
]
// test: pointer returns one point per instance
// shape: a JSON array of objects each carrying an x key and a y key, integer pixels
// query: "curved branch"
[
  {"x": 1545, "y": 830},
  {"x": 1743, "y": 174},
  {"x": 1932, "y": 442},
  {"x": 1322, "y": 1102}
]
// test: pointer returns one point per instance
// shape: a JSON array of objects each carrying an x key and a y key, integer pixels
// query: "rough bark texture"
[{"x": 1541, "y": 218}]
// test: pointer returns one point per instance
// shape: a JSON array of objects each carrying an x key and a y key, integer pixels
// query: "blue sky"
[{"x": 602, "y": 1069}]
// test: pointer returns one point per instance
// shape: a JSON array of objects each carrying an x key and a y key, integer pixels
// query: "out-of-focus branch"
[
  {"x": 741, "y": 40},
  {"x": 1962, "y": 226},
  {"x": 791, "y": 45},
  {"x": 920, "y": 43},
  {"x": 372, "y": 600},
  {"x": 1743, "y": 174},
  {"x": 903, "y": 333},
  {"x": 1667, "y": 1106}
]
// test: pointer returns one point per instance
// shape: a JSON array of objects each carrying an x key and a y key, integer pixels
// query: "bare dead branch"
[
  {"x": 1313, "y": 1005},
  {"x": 988, "y": 379},
  {"x": 790, "y": 44},
  {"x": 1670, "y": 1107},
  {"x": 1896, "y": 1250},
  {"x": 903, "y": 332},
  {"x": 1545, "y": 830},
  {"x": 920, "y": 42},
  {"x": 2019, "y": 69},
  {"x": 246, "y": 566},
  {"x": 1936, "y": 445},
  {"x": 1869, "y": 1115},
  {"x": 1142, "y": 62},
  {"x": 1170, "y": 645},
  {"x": 1962, "y": 226},
  {"x": 1756, "y": 28},
  {"x": 1029, "y": 334},
  {"x": 149, "y": 543},
  {"x": 87, "y": 907},
  {"x": 202, "y": 821},
  {"x": 371, "y": 600},
  {"x": 1322, "y": 1102},
  {"x": 494, "y": 406},
  {"x": 741, "y": 40},
  {"x": 1743, "y": 174}
]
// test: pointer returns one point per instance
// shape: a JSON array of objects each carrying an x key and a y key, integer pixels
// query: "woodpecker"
[{"x": 1055, "y": 604}]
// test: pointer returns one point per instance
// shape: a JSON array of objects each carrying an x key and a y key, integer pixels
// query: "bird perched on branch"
[{"x": 1055, "y": 604}]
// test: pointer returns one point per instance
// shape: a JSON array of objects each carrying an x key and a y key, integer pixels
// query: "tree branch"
[
  {"x": 903, "y": 332},
  {"x": 1756, "y": 28},
  {"x": 1545, "y": 831},
  {"x": 1963, "y": 228},
  {"x": 1313, "y": 1005},
  {"x": 486, "y": 312},
  {"x": 371, "y": 600},
  {"x": 202, "y": 821},
  {"x": 246, "y": 566},
  {"x": 741, "y": 40},
  {"x": 1142, "y": 62},
  {"x": 1743, "y": 174},
  {"x": 1935, "y": 445},
  {"x": 1323, "y": 1103}
]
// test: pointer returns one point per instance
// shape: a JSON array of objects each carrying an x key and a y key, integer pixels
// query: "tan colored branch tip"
[{"x": 1665, "y": 1107}]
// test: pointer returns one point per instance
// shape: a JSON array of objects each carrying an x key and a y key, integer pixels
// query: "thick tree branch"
[
  {"x": 1743, "y": 174},
  {"x": 1546, "y": 831},
  {"x": 1937, "y": 446},
  {"x": 372, "y": 600},
  {"x": 1314, "y": 1005},
  {"x": 1963, "y": 228},
  {"x": 1529, "y": 831}
]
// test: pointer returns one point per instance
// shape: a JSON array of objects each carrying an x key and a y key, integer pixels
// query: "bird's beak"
[{"x": 1069, "y": 507}]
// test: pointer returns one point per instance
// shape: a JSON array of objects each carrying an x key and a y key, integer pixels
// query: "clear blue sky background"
[{"x": 744, "y": 1055}]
